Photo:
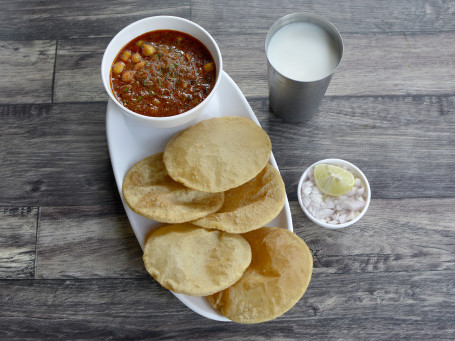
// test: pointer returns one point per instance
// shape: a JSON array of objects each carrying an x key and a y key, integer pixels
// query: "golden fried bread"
[
  {"x": 150, "y": 191},
  {"x": 249, "y": 206},
  {"x": 276, "y": 279},
  {"x": 191, "y": 260},
  {"x": 218, "y": 154}
]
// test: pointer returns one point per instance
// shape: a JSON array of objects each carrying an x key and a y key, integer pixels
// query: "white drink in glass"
[{"x": 303, "y": 51}]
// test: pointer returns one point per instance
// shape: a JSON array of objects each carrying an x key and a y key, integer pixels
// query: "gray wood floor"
[{"x": 70, "y": 266}]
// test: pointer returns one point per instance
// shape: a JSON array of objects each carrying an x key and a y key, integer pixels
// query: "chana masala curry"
[{"x": 163, "y": 73}]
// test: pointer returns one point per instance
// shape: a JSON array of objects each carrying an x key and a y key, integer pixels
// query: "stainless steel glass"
[{"x": 292, "y": 100}]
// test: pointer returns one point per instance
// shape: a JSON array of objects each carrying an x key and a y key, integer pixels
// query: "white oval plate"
[{"x": 129, "y": 142}]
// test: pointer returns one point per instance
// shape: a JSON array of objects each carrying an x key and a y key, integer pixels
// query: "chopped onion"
[{"x": 329, "y": 209}]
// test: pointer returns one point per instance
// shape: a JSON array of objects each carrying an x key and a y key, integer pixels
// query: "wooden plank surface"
[
  {"x": 27, "y": 71},
  {"x": 398, "y": 69},
  {"x": 351, "y": 16},
  {"x": 18, "y": 242},
  {"x": 101, "y": 240},
  {"x": 61, "y": 152},
  {"x": 395, "y": 235},
  {"x": 410, "y": 138},
  {"x": 395, "y": 65},
  {"x": 385, "y": 306},
  {"x": 54, "y": 19},
  {"x": 83, "y": 241},
  {"x": 73, "y": 137},
  {"x": 77, "y": 71},
  {"x": 70, "y": 266}
]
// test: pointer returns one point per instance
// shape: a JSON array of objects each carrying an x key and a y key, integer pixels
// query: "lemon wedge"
[{"x": 332, "y": 180}]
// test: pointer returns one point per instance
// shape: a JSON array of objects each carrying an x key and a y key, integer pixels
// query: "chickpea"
[
  {"x": 118, "y": 67},
  {"x": 125, "y": 55},
  {"x": 139, "y": 43},
  {"x": 147, "y": 49},
  {"x": 136, "y": 58},
  {"x": 139, "y": 66},
  {"x": 208, "y": 67},
  {"x": 128, "y": 76}
]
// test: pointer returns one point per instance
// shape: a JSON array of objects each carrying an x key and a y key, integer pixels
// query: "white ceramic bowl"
[
  {"x": 353, "y": 169},
  {"x": 160, "y": 23}
]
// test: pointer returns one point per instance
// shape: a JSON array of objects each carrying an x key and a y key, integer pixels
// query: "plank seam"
[
  {"x": 147, "y": 278},
  {"x": 253, "y": 97},
  {"x": 54, "y": 71}
]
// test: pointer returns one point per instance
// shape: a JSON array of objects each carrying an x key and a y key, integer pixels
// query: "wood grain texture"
[
  {"x": 55, "y": 155},
  {"x": 352, "y": 16},
  {"x": 78, "y": 71},
  {"x": 73, "y": 138},
  {"x": 87, "y": 242},
  {"x": 398, "y": 69},
  {"x": 82, "y": 19},
  {"x": 70, "y": 266},
  {"x": 18, "y": 242},
  {"x": 407, "y": 149},
  {"x": 408, "y": 306},
  {"x": 395, "y": 64},
  {"x": 27, "y": 69},
  {"x": 393, "y": 236}
]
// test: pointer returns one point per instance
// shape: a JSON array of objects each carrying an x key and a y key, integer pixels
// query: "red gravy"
[{"x": 162, "y": 73}]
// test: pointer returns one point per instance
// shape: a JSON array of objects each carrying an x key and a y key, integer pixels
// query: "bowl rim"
[
  {"x": 335, "y": 162},
  {"x": 106, "y": 79}
]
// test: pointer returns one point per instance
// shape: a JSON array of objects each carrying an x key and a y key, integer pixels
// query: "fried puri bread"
[
  {"x": 191, "y": 260},
  {"x": 218, "y": 154},
  {"x": 151, "y": 192},
  {"x": 249, "y": 206},
  {"x": 276, "y": 279}
]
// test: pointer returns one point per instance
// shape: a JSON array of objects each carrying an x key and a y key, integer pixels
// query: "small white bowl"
[
  {"x": 152, "y": 24},
  {"x": 353, "y": 169}
]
